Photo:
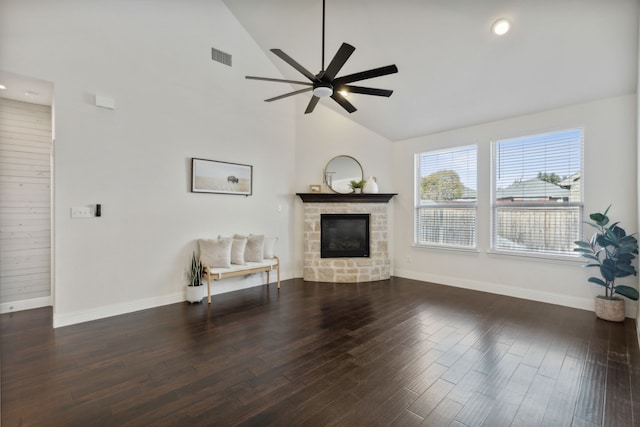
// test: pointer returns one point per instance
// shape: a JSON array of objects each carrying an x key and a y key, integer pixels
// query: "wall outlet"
[{"x": 81, "y": 212}]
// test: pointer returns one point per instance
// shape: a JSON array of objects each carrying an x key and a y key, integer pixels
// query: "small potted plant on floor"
[
  {"x": 357, "y": 186},
  {"x": 612, "y": 251},
  {"x": 195, "y": 288}
]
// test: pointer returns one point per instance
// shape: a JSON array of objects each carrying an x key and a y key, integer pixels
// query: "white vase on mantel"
[{"x": 370, "y": 186}]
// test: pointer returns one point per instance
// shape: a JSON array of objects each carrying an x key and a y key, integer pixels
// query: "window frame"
[
  {"x": 418, "y": 205},
  {"x": 493, "y": 205}
]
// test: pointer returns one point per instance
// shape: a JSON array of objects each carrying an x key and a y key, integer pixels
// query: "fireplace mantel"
[{"x": 346, "y": 198}]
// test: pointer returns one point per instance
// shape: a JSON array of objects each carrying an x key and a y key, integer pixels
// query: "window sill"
[
  {"x": 447, "y": 248},
  {"x": 553, "y": 258},
  {"x": 546, "y": 258}
]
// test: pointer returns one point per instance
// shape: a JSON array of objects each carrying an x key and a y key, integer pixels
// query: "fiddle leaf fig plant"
[
  {"x": 195, "y": 274},
  {"x": 612, "y": 251}
]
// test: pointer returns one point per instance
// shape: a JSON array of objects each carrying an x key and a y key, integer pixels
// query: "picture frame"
[
  {"x": 315, "y": 188},
  {"x": 213, "y": 176}
]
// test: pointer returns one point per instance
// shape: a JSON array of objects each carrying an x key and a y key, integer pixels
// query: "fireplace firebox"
[{"x": 344, "y": 235}]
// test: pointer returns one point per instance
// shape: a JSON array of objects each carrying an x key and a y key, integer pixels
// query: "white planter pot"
[
  {"x": 195, "y": 293},
  {"x": 610, "y": 309}
]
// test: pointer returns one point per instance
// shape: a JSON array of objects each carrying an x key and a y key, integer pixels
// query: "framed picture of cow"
[{"x": 212, "y": 176}]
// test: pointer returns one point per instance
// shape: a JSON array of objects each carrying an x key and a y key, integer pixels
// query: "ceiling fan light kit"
[
  {"x": 325, "y": 83},
  {"x": 323, "y": 90}
]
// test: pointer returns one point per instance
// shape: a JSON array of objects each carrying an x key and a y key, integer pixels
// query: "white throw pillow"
[
  {"x": 254, "y": 251},
  {"x": 269, "y": 247},
  {"x": 237, "y": 250},
  {"x": 216, "y": 253}
]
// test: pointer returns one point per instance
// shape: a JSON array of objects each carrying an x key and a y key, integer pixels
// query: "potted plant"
[
  {"x": 357, "y": 186},
  {"x": 612, "y": 251},
  {"x": 195, "y": 288}
]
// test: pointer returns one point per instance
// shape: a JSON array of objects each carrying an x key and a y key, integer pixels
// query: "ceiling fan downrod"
[{"x": 323, "y": 17}]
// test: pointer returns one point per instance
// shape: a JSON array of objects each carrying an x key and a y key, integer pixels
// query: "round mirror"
[{"x": 339, "y": 173}]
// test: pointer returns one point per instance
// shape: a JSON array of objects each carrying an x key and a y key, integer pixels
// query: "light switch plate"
[{"x": 81, "y": 212}]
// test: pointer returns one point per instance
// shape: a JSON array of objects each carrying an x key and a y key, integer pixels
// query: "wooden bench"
[{"x": 266, "y": 266}]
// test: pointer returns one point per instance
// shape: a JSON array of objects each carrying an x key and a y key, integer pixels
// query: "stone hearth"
[{"x": 347, "y": 270}]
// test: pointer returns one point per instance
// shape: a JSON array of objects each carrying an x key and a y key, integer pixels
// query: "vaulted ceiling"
[{"x": 453, "y": 71}]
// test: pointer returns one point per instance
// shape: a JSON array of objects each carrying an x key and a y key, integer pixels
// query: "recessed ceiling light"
[
  {"x": 3, "y": 87},
  {"x": 344, "y": 93},
  {"x": 501, "y": 26}
]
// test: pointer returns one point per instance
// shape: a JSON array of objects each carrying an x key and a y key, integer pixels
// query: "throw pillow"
[
  {"x": 269, "y": 247},
  {"x": 237, "y": 250},
  {"x": 216, "y": 253},
  {"x": 255, "y": 248}
]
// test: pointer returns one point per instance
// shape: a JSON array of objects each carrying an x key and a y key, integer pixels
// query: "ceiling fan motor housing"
[{"x": 322, "y": 89}]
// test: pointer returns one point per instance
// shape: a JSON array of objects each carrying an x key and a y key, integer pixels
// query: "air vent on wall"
[{"x": 220, "y": 56}]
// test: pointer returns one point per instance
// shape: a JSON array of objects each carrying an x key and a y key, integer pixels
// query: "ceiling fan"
[{"x": 325, "y": 83}]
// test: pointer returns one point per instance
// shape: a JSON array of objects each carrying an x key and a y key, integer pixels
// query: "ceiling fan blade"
[
  {"x": 338, "y": 61},
  {"x": 363, "y": 75},
  {"x": 343, "y": 102},
  {"x": 289, "y": 60},
  {"x": 275, "y": 98},
  {"x": 267, "y": 79},
  {"x": 312, "y": 104},
  {"x": 364, "y": 90}
]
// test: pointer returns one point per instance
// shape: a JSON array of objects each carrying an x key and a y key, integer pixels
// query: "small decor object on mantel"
[
  {"x": 195, "y": 288},
  {"x": 315, "y": 188},
  {"x": 370, "y": 186},
  {"x": 357, "y": 186},
  {"x": 612, "y": 251}
]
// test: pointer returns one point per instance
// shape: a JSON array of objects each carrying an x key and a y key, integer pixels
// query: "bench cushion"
[{"x": 247, "y": 266}]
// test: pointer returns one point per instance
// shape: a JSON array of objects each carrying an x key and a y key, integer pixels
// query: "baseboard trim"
[
  {"x": 66, "y": 319},
  {"x": 511, "y": 291},
  {"x": 218, "y": 287},
  {"x": 27, "y": 304}
]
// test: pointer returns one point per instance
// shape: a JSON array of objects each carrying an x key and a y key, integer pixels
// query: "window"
[
  {"x": 445, "y": 199},
  {"x": 537, "y": 193}
]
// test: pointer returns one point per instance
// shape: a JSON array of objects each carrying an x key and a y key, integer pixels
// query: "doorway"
[{"x": 26, "y": 142}]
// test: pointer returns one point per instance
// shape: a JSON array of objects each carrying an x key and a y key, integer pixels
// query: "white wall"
[
  {"x": 610, "y": 177},
  {"x": 172, "y": 103},
  {"x": 322, "y": 135}
]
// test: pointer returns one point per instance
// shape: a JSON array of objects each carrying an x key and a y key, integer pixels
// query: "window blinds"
[
  {"x": 537, "y": 203},
  {"x": 446, "y": 195}
]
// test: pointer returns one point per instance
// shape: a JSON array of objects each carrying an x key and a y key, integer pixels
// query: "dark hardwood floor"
[{"x": 396, "y": 352}]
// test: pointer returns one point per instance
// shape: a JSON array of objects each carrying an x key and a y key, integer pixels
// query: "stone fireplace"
[{"x": 376, "y": 266}]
